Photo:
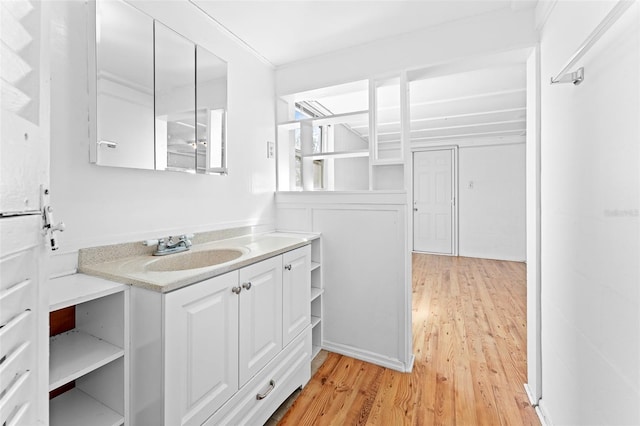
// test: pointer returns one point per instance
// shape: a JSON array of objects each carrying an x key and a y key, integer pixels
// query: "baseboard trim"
[
  {"x": 532, "y": 399},
  {"x": 542, "y": 415},
  {"x": 368, "y": 356}
]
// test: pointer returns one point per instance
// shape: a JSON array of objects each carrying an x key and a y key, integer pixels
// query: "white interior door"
[
  {"x": 24, "y": 168},
  {"x": 433, "y": 201}
]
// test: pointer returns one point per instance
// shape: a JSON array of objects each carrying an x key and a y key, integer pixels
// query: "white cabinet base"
[{"x": 289, "y": 370}]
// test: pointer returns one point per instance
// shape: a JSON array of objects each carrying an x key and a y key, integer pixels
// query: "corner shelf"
[
  {"x": 315, "y": 293},
  {"x": 315, "y": 321}
]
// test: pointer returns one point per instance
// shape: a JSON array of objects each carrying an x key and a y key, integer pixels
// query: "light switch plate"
[{"x": 271, "y": 149}]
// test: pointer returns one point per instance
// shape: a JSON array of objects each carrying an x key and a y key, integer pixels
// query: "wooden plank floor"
[{"x": 469, "y": 339}]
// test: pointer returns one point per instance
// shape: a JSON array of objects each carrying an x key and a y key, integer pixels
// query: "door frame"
[{"x": 454, "y": 192}]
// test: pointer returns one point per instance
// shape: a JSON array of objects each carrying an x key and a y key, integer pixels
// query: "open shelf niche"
[
  {"x": 89, "y": 349},
  {"x": 317, "y": 291}
]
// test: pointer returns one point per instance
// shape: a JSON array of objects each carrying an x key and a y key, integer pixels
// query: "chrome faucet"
[{"x": 169, "y": 245}]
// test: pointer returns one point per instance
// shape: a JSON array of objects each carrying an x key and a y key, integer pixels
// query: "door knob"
[
  {"x": 236, "y": 290},
  {"x": 247, "y": 285}
]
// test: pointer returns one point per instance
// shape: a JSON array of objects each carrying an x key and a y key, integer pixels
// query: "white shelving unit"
[
  {"x": 76, "y": 353},
  {"x": 317, "y": 291},
  {"x": 94, "y": 354},
  {"x": 77, "y": 408},
  {"x": 370, "y": 143}
]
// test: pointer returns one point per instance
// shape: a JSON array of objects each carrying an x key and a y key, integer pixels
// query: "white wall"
[
  {"x": 492, "y": 202},
  {"x": 102, "y": 205},
  {"x": 350, "y": 173},
  {"x": 367, "y": 314},
  {"x": 465, "y": 38},
  {"x": 590, "y": 189}
]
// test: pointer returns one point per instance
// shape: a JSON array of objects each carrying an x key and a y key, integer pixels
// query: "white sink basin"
[{"x": 193, "y": 260}]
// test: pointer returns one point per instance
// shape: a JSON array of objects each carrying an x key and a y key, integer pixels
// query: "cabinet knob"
[
  {"x": 247, "y": 285},
  {"x": 236, "y": 290},
  {"x": 287, "y": 267}
]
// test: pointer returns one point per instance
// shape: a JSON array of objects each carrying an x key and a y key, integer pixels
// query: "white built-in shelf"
[
  {"x": 314, "y": 265},
  {"x": 315, "y": 293},
  {"x": 388, "y": 162},
  {"x": 315, "y": 321},
  {"x": 77, "y": 408},
  {"x": 78, "y": 288},
  {"x": 314, "y": 351},
  {"x": 328, "y": 119},
  {"x": 76, "y": 353},
  {"x": 339, "y": 154}
]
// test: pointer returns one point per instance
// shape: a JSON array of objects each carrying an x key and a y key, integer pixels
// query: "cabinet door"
[
  {"x": 296, "y": 293},
  {"x": 201, "y": 349},
  {"x": 260, "y": 315}
]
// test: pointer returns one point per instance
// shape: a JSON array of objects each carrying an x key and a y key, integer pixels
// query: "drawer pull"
[
  {"x": 236, "y": 290},
  {"x": 272, "y": 385},
  {"x": 247, "y": 285},
  {"x": 287, "y": 267}
]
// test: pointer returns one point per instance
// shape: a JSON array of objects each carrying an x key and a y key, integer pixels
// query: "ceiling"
[
  {"x": 478, "y": 98},
  {"x": 283, "y": 32}
]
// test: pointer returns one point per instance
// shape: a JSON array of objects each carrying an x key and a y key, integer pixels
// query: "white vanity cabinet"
[
  {"x": 260, "y": 315},
  {"x": 201, "y": 349},
  {"x": 216, "y": 348},
  {"x": 296, "y": 284}
]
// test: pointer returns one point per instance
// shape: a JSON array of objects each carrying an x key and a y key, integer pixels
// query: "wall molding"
[
  {"x": 367, "y": 356},
  {"x": 542, "y": 12},
  {"x": 342, "y": 197}
]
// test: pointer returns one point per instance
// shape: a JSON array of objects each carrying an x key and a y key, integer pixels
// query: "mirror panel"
[
  {"x": 211, "y": 89},
  {"x": 175, "y": 95},
  {"x": 124, "y": 86},
  {"x": 160, "y": 100}
]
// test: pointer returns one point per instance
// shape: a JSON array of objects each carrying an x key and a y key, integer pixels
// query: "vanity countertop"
[{"x": 133, "y": 270}]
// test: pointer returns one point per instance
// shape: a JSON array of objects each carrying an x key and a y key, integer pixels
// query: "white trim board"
[{"x": 371, "y": 357}]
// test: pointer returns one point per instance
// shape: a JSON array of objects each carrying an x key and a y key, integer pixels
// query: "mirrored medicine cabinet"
[{"x": 158, "y": 100}]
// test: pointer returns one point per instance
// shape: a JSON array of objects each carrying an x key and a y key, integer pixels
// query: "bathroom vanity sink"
[
  {"x": 171, "y": 272},
  {"x": 194, "y": 260},
  {"x": 220, "y": 334}
]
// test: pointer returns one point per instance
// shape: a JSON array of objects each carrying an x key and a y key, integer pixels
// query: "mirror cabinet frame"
[{"x": 209, "y": 109}]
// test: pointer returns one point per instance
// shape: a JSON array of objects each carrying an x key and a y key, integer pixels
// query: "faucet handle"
[
  {"x": 160, "y": 242},
  {"x": 187, "y": 239}
]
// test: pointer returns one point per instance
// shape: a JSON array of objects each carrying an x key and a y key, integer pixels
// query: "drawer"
[
  {"x": 18, "y": 330},
  {"x": 18, "y": 394},
  {"x": 16, "y": 299},
  {"x": 289, "y": 370}
]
